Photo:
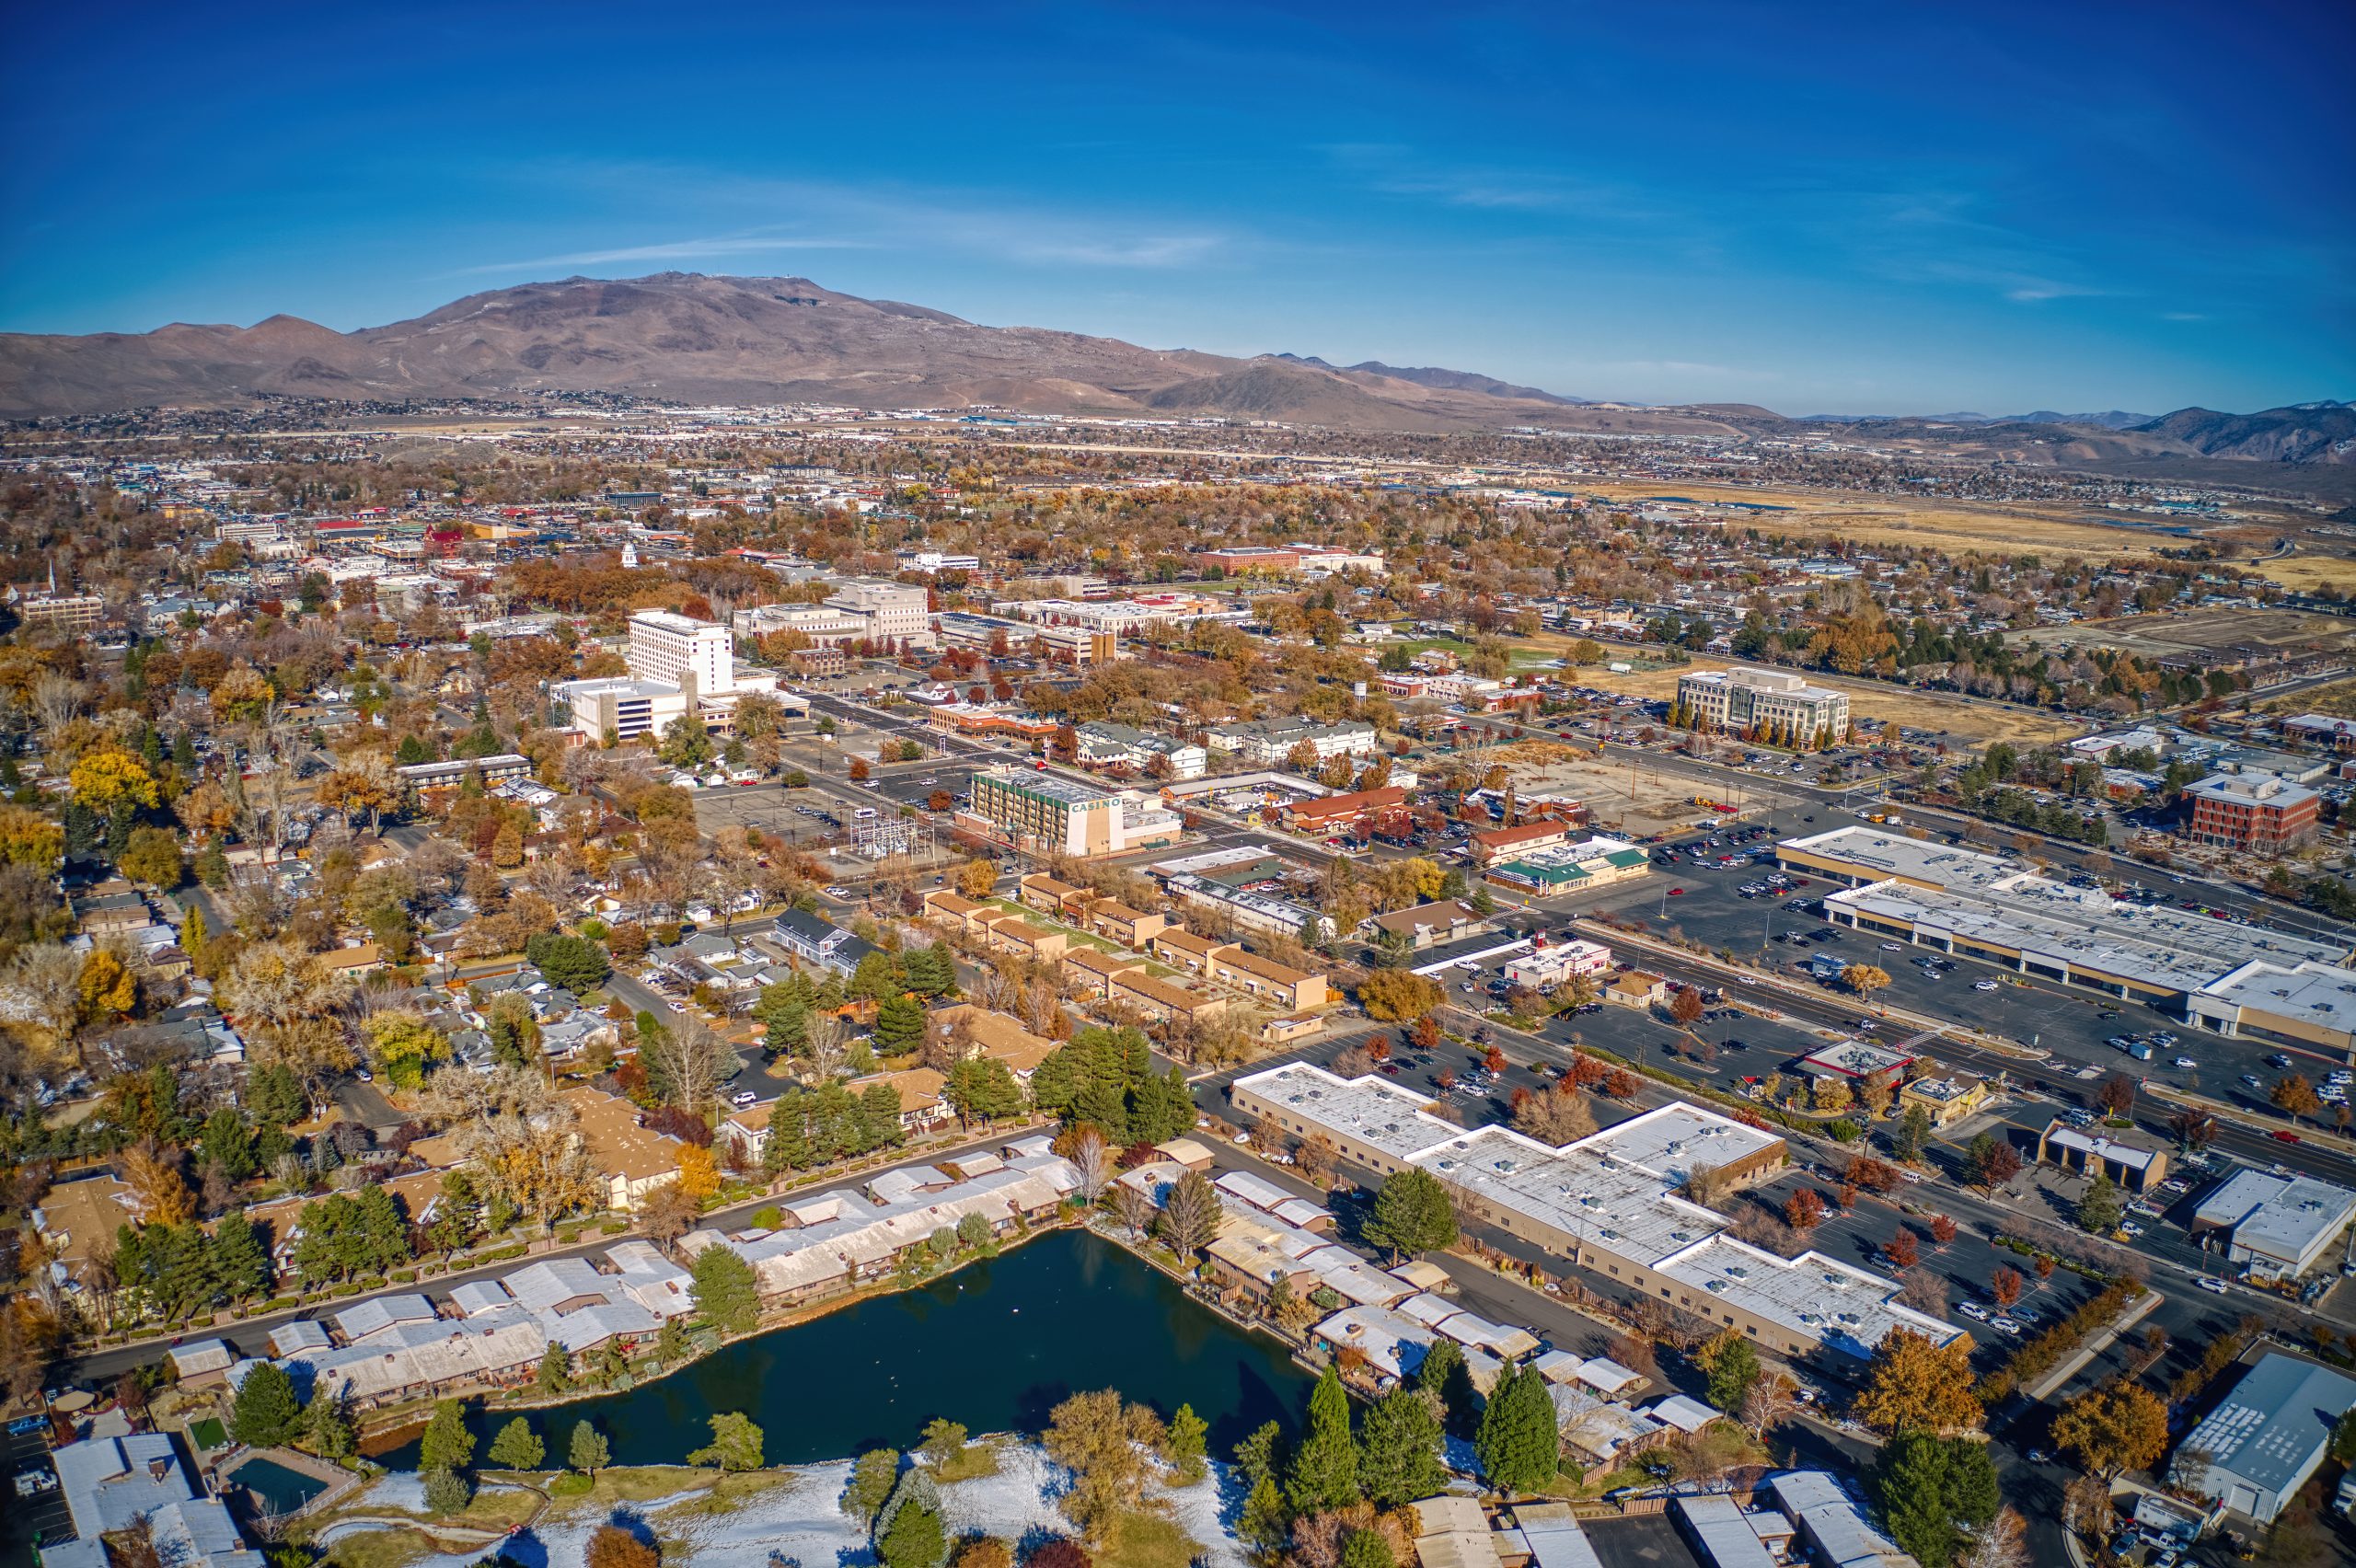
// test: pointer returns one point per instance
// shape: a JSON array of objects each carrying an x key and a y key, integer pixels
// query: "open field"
[
  {"x": 2203, "y": 631},
  {"x": 1966, "y": 721},
  {"x": 1943, "y": 524},
  {"x": 2337, "y": 699},
  {"x": 2307, "y": 572}
]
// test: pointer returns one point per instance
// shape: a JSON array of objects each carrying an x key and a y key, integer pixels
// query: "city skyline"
[{"x": 2096, "y": 210}]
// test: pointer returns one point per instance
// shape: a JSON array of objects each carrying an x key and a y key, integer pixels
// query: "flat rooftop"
[
  {"x": 1811, "y": 1296},
  {"x": 2281, "y": 1216},
  {"x": 1049, "y": 786},
  {"x": 2322, "y": 995},
  {"x": 2165, "y": 949}
]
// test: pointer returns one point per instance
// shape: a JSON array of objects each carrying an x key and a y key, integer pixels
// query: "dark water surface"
[{"x": 995, "y": 1346}]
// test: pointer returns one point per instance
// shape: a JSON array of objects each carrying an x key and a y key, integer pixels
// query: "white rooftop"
[{"x": 2282, "y": 1218}]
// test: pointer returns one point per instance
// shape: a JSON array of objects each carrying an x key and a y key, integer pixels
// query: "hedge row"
[{"x": 2045, "y": 1352}]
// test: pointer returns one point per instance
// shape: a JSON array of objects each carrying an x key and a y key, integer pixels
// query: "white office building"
[
  {"x": 1743, "y": 698},
  {"x": 2280, "y": 1226},
  {"x": 678, "y": 666}
]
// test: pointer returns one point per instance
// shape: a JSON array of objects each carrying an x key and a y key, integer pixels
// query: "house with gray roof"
[{"x": 110, "y": 1482}]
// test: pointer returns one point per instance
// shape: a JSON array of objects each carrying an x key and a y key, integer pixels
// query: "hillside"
[
  {"x": 687, "y": 337},
  {"x": 697, "y": 339}
]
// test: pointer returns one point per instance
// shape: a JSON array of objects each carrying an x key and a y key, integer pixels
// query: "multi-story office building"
[
  {"x": 677, "y": 666},
  {"x": 1742, "y": 699},
  {"x": 74, "y": 612},
  {"x": 894, "y": 612},
  {"x": 2259, "y": 812},
  {"x": 1045, "y": 813},
  {"x": 685, "y": 652}
]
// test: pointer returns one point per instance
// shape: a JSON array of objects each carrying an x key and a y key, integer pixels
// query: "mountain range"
[{"x": 687, "y": 337}]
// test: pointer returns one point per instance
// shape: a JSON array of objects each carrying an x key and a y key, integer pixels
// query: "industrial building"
[
  {"x": 2257, "y": 1448},
  {"x": 2278, "y": 1227}
]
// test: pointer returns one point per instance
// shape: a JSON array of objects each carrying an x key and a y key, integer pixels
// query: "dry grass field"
[
  {"x": 2198, "y": 631},
  {"x": 2338, "y": 698},
  {"x": 1943, "y": 524},
  {"x": 1969, "y": 722}
]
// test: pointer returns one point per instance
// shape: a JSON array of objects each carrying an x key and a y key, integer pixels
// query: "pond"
[
  {"x": 279, "y": 1489},
  {"x": 994, "y": 1346}
]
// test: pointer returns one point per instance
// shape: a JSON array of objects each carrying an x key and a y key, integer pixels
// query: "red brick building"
[{"x": 2258, "y": 811}]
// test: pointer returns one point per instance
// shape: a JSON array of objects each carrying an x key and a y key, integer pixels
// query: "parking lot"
[{"x": 38, "y": 1517}]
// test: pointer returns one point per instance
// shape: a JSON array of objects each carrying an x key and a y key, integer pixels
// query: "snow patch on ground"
[{"x": 801, "y": 1524}]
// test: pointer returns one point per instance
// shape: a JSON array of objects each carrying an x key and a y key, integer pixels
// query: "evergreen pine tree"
[
  {"x": 518, "y": 1446},
  {"x": 1519, "y": 1447},
  {"x": 1399, "y": 1448},
  {"x": 1324, "y": 1472},
  {"x": 266, "y": 1413}
]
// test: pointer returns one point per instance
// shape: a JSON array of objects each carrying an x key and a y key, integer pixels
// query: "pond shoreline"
[
  {"x": 993, "y": 1347},
  {"x": 406, "y": 1424}
]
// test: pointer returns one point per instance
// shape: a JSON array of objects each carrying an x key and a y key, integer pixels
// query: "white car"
[
  {"x": 1974, "y": 1311},
  {"x": 2130, "y": 1227},
  {"x": 2186, "y": 1063},
  {"x": 2003, "y": 1325},
  {"x": 1893, "y": 946},
  {"x": 2211, "y": 1283},
  {"x": 743, "y": 1097},
  {"x": 1984, "y": 984}
]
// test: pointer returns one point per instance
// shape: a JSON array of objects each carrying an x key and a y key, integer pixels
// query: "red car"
[
  {"x": 1676, "y": 893},
  {"x": 2283, "y": 1137}
]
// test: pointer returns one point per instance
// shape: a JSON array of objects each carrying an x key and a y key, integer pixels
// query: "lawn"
[
  {"x": 977, "y": 1460},
  {"x": 729, "y": 1493},
  {"x": 1085, "y": 939},
  {"x": 1148, "y": 1540}
]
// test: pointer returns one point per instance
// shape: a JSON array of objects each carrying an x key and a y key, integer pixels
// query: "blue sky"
[{"x": 1818, "y": 208}]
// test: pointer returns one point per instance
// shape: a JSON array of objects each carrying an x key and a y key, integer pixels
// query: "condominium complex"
[
  {"x": 1743, "y": 699},
  {"x": 1273, "y": 740},
  {"x": 1045, "y": 813},
  {"x": 1610, "y": 1202}
]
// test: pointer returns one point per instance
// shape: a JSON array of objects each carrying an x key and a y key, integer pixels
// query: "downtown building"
[{"x": 677, "y": 666}]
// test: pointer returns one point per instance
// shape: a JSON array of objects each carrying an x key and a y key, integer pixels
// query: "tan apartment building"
[
  {"x": 1085, "y": 967},
  {"x": 1160, "y": 999},
  {"x": 1290, "y": 989}
]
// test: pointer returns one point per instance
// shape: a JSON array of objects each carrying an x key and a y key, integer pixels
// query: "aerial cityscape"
[{"x": 1234, "y": 789}]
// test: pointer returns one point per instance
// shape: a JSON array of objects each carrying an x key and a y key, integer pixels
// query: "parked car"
[
  {"x": 1984, "y": 984},
  {"x": 2211, "y": 1283}
]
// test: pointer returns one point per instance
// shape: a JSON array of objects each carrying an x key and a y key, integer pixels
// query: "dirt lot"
[
  {"x": 1632, "y": 801},
  {"x": 1968, "y": 721},
  {"x": 2337, "y": 698}
]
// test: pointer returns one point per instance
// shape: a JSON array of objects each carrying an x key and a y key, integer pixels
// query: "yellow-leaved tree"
[{"x": 1914, "y": 1385}]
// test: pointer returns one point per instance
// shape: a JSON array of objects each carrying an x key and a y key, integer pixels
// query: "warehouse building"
[
  {"x": 2307, "y": 1004},
  {"x": 2254, "y": 1451}
]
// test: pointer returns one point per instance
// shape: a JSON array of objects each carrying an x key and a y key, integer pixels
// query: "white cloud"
[{"x": 670, "y": 250}]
